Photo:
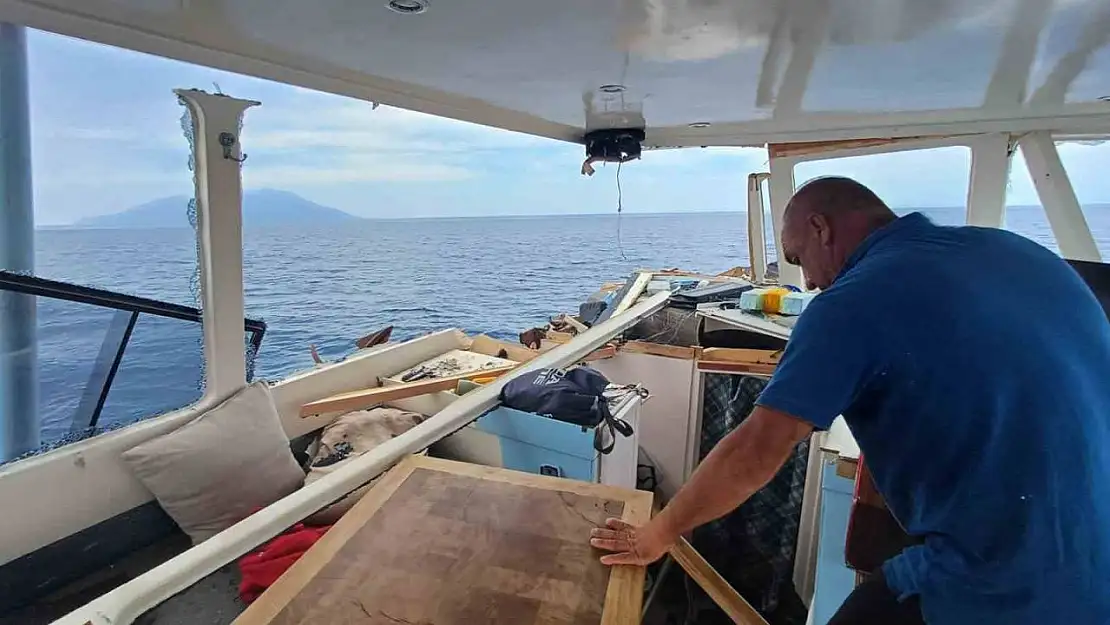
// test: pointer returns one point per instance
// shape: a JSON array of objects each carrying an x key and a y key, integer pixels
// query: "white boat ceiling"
[{"x": 695, "y": 72}]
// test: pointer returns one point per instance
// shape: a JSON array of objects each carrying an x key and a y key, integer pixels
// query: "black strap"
[{"x": 614, "y": 425}]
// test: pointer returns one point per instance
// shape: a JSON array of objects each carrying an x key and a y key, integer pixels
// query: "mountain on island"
[{"x": 261, "y": 207}]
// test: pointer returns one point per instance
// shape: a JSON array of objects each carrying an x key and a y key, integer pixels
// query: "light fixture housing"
[
  {"x": 407, "y": 7},
  {"x": 614, "y": 88}
]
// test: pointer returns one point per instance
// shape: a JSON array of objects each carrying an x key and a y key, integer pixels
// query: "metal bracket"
[{"x": 227, "y": 140}]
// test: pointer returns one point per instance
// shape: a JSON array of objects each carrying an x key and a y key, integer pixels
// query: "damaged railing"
[{"x": 128, "y": 309}]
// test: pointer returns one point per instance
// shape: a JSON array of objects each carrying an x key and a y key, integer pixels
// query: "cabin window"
[
  {"x": 97, "y": 330},
  {"x": 932, "y": 181}
]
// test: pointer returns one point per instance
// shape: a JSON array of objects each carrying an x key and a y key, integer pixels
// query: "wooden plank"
[
  {"x": 489, "y": 346},
  {"x": 804, "y": 148},
  {"x": 760, "y": 356},
  {"x": 601, "y": 354},
  {"x": 365, "y": 398},
  {"x": 449, "y": 543},
  {"x": 558, "y": 337},
  {"x": 717, "y": 587},
  {"x": 724, "y": 366},
  {"x": 633, "y": 294},
  {"x": 658, "y": 349}
]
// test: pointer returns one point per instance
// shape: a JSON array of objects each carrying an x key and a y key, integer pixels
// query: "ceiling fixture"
[
  {"x": 407, "y": 7},
  {"x": 611, "y": 88},
  {"x": 699, "y": 125}
]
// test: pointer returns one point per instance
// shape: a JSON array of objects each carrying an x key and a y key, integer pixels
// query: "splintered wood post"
[{"x": 719, "y": 590}]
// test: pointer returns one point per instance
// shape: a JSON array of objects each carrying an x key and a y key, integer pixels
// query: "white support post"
[
  {"x": 219, "y": 196},
  {"x": 991, "y": 156},
  {"x": 1069, "y": 225},
  {"x": 782, "y": 189},
  {"x": 757, "y": 244}
]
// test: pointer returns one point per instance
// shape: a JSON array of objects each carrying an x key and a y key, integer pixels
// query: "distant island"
[{"x": 261, "y": 207}]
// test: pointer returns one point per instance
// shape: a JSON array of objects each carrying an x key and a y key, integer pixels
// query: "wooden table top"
[{"x": 437, "y": 542}]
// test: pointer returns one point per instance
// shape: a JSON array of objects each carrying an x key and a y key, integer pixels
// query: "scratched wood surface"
[{"x": 445, "y": 543}]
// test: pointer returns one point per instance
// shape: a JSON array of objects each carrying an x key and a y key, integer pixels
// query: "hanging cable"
[{"x": 620, "y": 210}]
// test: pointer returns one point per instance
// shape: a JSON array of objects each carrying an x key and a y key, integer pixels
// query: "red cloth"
[{"x": 262, "y": 568}]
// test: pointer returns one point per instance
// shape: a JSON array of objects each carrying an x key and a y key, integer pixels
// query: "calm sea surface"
[{"x": 328, "y": 286}]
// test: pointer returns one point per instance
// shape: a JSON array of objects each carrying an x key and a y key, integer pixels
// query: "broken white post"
[
  {"x": 219, "y": 195},
  {"x": 782, "y": 189},
  {"x": 1069, "y": 225},
  {"x": 991, "y": 156},
  {"x": 757, "y": 243}
]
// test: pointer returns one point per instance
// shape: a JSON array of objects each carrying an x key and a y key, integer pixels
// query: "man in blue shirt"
[{"x": 973, "y": 368}]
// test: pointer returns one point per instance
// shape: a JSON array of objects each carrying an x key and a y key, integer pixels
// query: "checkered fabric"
[{"x": 753, "y": 547}]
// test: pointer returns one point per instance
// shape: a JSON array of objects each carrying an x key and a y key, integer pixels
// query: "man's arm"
[{"x": 739, "y": 465}]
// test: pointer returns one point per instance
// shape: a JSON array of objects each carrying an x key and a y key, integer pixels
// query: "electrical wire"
[{"x": 620, "y": 209}]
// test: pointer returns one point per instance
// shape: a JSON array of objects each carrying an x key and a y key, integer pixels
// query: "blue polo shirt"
[{"x": 973, "y": 367}]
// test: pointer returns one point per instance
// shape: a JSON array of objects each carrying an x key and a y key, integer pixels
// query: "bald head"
[{"x": 825, "y": 221}]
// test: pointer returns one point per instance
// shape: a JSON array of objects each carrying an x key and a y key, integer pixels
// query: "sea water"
[{"x": 327, "y": 286}]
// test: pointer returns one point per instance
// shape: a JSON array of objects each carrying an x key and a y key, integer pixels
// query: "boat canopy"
[{"x": 693, "y": 72}]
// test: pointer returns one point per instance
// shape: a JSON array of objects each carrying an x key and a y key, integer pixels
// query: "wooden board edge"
[
  {"x": 722, "y": 366},
  {"x": 730, "y": 354},
  {"x": 264, "y": 609},
  {"x": 483, "y": 344},
  {"x": 658, "y": 349},
  {"x": 717, "y": 587},
  {"x": 624, "y": 596},
  {"x": 531, "y": 480}
]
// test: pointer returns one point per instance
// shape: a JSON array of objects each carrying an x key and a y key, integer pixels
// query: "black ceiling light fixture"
[
  {"x": 407, "y": 7},
  {"x": 612, "y": 145}
]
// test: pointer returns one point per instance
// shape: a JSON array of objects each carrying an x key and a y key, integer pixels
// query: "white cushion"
[{"x": 219, "y": 468}]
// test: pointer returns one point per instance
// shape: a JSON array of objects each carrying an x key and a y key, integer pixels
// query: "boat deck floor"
[{"x": 213, "y": 600}]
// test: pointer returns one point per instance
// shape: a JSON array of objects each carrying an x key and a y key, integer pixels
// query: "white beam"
[
  {"x": 1092, "y": 117},
  {"x": 757, "y": 243},
  {"x": 990, "y": 175},
  {"x": 219, "y": 196},
  {"x": 782, "y": 189},
  {"x": 1062, "y": 208}
]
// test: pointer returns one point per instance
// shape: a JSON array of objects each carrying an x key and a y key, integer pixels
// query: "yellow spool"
[{"x": 772, "y": 299}]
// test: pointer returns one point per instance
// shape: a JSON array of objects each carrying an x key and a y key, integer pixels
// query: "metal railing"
[{"x": 112, "y": 348}]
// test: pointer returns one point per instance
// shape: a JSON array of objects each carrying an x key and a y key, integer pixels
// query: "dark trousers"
[{"x": 873, "y": 603}]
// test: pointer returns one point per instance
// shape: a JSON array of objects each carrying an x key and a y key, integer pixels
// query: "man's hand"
[{"x": 636, "y": 546}]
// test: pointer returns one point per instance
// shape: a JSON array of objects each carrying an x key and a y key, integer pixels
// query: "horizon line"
[{"x": 78, "y": 226}]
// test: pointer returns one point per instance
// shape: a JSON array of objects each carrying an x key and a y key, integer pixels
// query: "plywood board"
[{"x": 446, "y": 543}]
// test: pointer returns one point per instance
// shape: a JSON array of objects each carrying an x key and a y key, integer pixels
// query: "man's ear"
[{"x": 820, "y": 225}]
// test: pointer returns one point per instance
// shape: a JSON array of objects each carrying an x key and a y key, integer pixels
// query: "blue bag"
[{"x": 573, "y": 395}]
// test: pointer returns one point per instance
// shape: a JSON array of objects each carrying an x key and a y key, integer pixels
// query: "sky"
[{"x": 106, "y": 136}]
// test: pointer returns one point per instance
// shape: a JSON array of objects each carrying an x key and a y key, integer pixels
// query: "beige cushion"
[
  {"x": 347, "y": 438},
  {"x": 219, "y": 468}
]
